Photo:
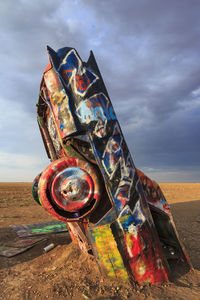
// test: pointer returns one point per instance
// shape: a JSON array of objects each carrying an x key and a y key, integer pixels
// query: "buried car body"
[{"x": 111, "y": 208}]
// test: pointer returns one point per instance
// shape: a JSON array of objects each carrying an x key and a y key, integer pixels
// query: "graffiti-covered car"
[{"x": 111, "y": 208}]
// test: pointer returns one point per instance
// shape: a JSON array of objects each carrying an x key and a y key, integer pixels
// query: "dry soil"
[{"x": 66, "y": 273}]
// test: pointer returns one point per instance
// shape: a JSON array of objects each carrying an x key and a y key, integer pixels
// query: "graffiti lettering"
[
  {"x": 53, "y": 133},
  {"x": 72, "y": 71},
  {"x": 97, "y": 108},
  {"x": 112, "y": 157},
  {"x": 113, "y": 152},
  {"x": 59, "y": 104}
]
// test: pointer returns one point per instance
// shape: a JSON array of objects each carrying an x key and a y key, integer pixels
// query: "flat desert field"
[{"x": 66, "y": 273}]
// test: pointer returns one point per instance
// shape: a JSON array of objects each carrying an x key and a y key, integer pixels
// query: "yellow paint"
[
  {"x": 58, "y": 97},
  {"x": 108, "y": 252}
]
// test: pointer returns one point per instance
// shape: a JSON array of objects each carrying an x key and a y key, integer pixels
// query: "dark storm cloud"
[
  {"x": 174, "y": 142},
  {"x": 154, "y": 48},
  {"x": 153, "y": 69},
  {"x": 147, "y": 51}
]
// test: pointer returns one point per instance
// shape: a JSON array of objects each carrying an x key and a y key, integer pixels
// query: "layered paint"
[
  {"x": 60, "y": 104},
  {"x": 93, "y": 184},
  {"x": 60, "y": 194},
  {"x": 109, "y": 257},
  {"x": 153, "y": 193}
]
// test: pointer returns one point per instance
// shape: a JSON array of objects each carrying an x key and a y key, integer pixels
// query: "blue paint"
[
  {"x": 96, "y": 108},
  {"x": 71, "y": 67}
]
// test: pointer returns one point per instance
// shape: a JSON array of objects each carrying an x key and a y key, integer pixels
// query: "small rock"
[{"x": 141, "y": 287}]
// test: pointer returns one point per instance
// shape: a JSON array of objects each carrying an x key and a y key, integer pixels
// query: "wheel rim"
[{"x": 72, "y": 189}]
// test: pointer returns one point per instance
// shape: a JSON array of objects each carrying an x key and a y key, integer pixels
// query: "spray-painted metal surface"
[{"x": 110, "y": 207}]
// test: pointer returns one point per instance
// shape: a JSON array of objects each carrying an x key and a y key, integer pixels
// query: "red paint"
[
  {"x": 143, "y": 254},
  {"x": 50, "y": 173},
  {"x": 82, "y": 82}
]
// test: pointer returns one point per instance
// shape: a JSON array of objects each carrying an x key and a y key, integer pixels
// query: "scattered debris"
[
  {"x": 39, "y": 228},
  {"x": 19, "y": 246},
  {"x": 49, "y": 247}
]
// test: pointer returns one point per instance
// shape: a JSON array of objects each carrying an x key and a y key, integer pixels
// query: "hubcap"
[{"x": 72, "y": 189}]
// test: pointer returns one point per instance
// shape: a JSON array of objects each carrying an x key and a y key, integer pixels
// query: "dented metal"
[{"x": 110, "y": 207}]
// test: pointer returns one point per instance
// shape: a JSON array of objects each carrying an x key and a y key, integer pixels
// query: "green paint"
[{"x": 50, "y": 228}]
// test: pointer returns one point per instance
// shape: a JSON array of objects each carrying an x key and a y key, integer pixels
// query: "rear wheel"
[{"x": 35, "y": 188}]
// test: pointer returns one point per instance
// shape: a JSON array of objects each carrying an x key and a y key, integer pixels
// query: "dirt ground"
[{"x": 66, "y": 273}]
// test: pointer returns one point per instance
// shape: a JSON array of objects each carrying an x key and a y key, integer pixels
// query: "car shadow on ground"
[{"x": 186, "y": 216}]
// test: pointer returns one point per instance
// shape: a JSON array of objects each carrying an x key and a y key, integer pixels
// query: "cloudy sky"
[{"x": 148, "y": 52}]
